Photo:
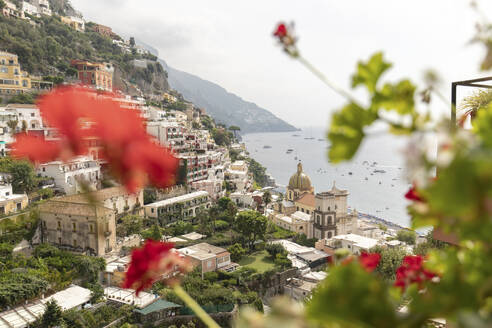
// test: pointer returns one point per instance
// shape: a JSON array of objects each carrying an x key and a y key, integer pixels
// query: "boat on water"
[
  {"x": 296, "y": 135},
  {"x": 350, "y": 173},
  {"x": 309, "y": 138},
  {"x": 379, "y": 182},
  {"x": 379, "y": 171},
  {"x": 267, "y": 147},
  {"x": 367, "y": 178},
  {"x": 321, "y": 139},
  {"x": 289, "y": 151},
  {"x": 295, "y": 158}
]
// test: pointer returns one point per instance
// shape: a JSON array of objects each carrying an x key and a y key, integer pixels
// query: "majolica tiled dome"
[{"x": 300, "y": 180}]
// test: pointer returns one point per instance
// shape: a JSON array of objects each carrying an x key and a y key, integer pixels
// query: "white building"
[
  {"x": 74, "y": 176},
  {"x": 298, "y": 222},
  {"x": 354, "y": 243},
  {"x": 26, "y": 113},
  {"x": 29, "y": 8},
  {"x": 10, "y": 202},
  {"x": 186, "y": 205},
  {"x": 302, "y": 257}
]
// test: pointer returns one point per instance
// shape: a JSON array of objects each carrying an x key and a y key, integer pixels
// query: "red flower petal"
[
  {"x": 412, "y": 271},
  {"x": 413, "y": 195},
  {"x": 36, "y": 149},
  {"x": 369, "y": 261},
  {"x": 144, "y": 267},
  {"x": 280, "y": 31}
]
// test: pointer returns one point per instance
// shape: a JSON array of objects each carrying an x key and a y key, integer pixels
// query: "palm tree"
[
  {"x": 234, "y": 128},
  {"x": 12, "y": 124},
  {"x": 472, "y": 104}
]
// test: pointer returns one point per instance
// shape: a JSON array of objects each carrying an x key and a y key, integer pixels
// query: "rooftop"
[
  {"x": 129, "y": 296},
  {"x": 71, "y": 297},
  {"x": 359, "y": 241},
  {"x": 58, "y": 206},
  {"x": 301, "y": 216},
  {"x": 157, "y": 306},
  {"x": 307, "y": 199},
  {"x": 202, "y": 251},
  {"x": 182, "y": 198}
]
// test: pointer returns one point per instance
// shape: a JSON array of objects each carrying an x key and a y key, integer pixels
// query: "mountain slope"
[{"x": 223, "y": 106}]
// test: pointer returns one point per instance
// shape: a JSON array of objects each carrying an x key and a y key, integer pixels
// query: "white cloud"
[{"x": 230, "y": 43}]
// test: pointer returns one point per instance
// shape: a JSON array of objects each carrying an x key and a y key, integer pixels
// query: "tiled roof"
[{"x": 307, "y": 200}]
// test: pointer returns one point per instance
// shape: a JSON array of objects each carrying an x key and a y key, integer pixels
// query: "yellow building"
[{"x": 13, "y": 80}]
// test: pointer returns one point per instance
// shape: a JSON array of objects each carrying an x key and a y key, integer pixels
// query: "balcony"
[{"x": 107, "y": 233}]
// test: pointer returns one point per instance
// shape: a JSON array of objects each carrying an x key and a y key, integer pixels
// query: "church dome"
[{"x": 300, "y": 180}]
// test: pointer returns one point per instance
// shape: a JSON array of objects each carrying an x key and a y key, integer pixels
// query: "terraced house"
[{"x": 184, "y": 206}]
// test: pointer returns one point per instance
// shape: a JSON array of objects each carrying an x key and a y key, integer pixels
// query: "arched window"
[{"x": 329, "y": 234}]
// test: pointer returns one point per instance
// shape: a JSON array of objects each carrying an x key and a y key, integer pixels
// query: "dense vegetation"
[
  {"x": 48, "y": 48},
  {"x": 48, "y": 270}
]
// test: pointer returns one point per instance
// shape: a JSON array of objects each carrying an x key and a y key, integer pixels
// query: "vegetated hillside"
[
  {"x": 48, "y": 47},
  {"x": 224, "y": 106}
]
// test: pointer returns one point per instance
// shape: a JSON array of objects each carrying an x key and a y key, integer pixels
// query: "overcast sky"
[{"x": 229, "y": 43}]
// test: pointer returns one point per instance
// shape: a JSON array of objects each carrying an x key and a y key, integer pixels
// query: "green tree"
[
  {"x": 12, "y": 124},
  {"x": 5, "y": 252},
  {"x": 237, "y": 252},
  {"x": 2, "y": 4},
  {"x": 132, "y": 41},
  {"x": 407, "y": 236},
  {"x": 391, "y": 259},
  {"x": 251, "y": 225},
  {"x": 153, "y": 233},
  {"x": 52, "y": 316},
  {"x": 234, "y": 129},
  {"x": 129, "y": 225},
  {"x": 259, "y": 172},
  {"x": 23, "y": 177},
  {"x": 267, "y": 198},
  {"x": 97, "y": 292},
  {"x": 274, "y": 249}
]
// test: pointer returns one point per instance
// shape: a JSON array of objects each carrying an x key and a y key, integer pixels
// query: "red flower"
[
  {"x": 412, "y": 271},
  {"x": 413, "y": 195},
  {"x": 369, "y": 261},
  {"x": 81, "y": 116},
  {"x": 149, "y": 263},
  {"x": 35, "y": 149},
  {"x": 280, "y": 31}
]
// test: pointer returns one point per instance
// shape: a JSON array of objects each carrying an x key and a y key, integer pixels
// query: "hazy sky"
[{"x": 230, "y": 43}]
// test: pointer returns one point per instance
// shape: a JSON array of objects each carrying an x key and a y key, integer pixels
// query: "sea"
[{"x": 380, "y": 194}]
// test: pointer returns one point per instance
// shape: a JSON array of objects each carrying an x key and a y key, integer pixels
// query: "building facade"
[
  {"x": 184, "y": 206},
  {"x": 78, "y": 227},
  {"x": 74, "y": 176},
  {"x": 96, "y": 75},
  {"x": 10, "y": 202},
  {"x": 330, "y": 215},
  {"x": 209, "y": 257}
]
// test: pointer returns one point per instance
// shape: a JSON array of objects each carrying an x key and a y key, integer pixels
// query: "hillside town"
[{"x": 67, "y": 227}]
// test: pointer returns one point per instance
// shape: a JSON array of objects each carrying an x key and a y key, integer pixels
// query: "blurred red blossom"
[
  {"x": 80, "y": 115},
  {"x": 369, "y": 261},
  {"x": 413, "y": 195},
  {"x": 285, "y": 35},
  {"x": 412, "y": 271},
  {"x": 150, "y": 263},
  {"x": 280, "y": 31}
]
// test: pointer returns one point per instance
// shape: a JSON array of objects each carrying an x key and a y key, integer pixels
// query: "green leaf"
[
  {"x": 352, "y": 297},
  {"x": 482, "y": 125},
  {"x": 346, "y": 131},
  {"x": 370, "y": 72},
  {"x": 398, "y": 97}
]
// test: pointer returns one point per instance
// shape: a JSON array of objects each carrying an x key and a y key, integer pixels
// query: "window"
[
  {"x": 59, "y": 225},
  {"x": 4, "y": 70},
  {"x": 44, "y": 169},
  {"x": 75, "y": 243},
  {"x": 91, "y": 228},
  {"x": 74, "y": 227},
  {"x": 59, "y": 240}
]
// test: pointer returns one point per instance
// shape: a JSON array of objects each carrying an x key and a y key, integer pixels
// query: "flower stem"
[
  {"x": 192, "y": 304},
  {"x": 323, "y": 78}
]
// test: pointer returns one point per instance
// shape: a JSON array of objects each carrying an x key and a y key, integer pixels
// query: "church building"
[{"x": 321, "y": 215}]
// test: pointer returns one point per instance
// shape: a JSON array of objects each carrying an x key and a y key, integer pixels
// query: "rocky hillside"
[
  {"x": 47, "y": 49},
  {"x": 224, "y": 106}
]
